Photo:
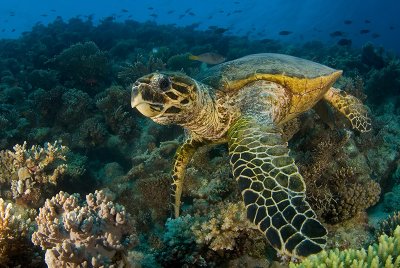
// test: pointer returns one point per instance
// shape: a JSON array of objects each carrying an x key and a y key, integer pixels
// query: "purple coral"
[{"x": 94, "y": 233}]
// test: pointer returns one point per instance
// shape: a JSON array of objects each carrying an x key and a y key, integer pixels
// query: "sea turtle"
[{"x": 244, "y": 102}]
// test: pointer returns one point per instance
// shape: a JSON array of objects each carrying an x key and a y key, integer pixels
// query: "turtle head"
[{"x": 167, "y": 98}]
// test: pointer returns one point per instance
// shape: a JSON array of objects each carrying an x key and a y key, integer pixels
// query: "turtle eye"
[{"x": 164, "y": 83}]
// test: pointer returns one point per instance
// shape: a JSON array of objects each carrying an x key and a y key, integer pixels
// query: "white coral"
[
  {"x": 96, "y": 233},
  {"x": 27, "y": 170}
]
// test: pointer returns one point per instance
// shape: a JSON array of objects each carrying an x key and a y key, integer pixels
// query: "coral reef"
[
  {"x": 95, "y": 233},
  {"x": 70, "y": 81},
  {"x": 15, "y": 228},
  {"x": 82, "y": 65},
  {"x": 389, "y": 225},
  {"x": 386, "y": 253},
  {"x": 114, "y": 104},
  {"x": 31, "y": 172},
  {"x": 224, "y": 226},
  {"x": 141, "y": 66},
  {"x": 391, "y": 200},
  {"x": 337, "y": 177}
]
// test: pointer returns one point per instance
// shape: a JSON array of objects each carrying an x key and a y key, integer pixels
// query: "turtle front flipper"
[
  {"x": 273, "y": 189},
  {"x": 350, "y": 107},
  {"x": 183, "y": 156}
]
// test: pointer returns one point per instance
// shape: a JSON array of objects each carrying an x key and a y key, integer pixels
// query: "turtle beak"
[{"x": 146, "y": 108}]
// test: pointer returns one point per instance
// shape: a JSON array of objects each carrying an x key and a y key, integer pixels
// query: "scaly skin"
[
  {"x": 273, "y": 189},
  {"x": 351, "y": 107},
  {"x": 182, "y": 157}
]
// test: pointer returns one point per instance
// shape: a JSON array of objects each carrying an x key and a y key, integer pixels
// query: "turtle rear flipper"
[
  {"x": 350, "y": 107},
  {"x": 272, "y": 188}
]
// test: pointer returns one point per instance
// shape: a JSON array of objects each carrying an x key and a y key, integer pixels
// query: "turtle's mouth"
[{"x": 147, "y": 108}]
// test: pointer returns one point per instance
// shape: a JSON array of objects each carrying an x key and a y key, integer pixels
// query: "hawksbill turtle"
[{"x": 244, "y": 102}]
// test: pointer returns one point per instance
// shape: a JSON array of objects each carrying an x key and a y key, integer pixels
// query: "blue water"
[{"x": 306, "y": 20}]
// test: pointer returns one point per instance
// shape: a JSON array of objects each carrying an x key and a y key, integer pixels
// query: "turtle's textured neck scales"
[{"x": 206, "y": 122}]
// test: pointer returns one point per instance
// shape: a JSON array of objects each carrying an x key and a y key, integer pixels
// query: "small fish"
[
  {"x": 188, "y": 10},
  {"x": 221, "y": 11},
  {"x": 130, "y": 16},
  {"x": 124, "y": 10},
  {"x": 154, "y": 15},
  {"x": 209, "y": 58},
  {"x": 364, "y": 31},
  {"x": 43, "y": 15},
  {"x": 3, "y": 30},
  {"x": 375, "y": 35},
  {"x": 228, "y": 14},
  {"x": 13, "y": 30},
  {"x": 344, "y": 42},
  {"x": 181, "y": 16},
  {"x": 336, "y": 34},
  {"x": 285, "y": 32},
  {"x": 367, "y": 21},
  {"x": 53, "y": 10},
  {"x": 191, "y": 14},
  {"x": 348, "y": 22},
  {"x": 170, "y": 11},
  {"x": 391, "y": 27},
  {"x": 150, "y": 8},
  {"x": 210, "y": 17}
]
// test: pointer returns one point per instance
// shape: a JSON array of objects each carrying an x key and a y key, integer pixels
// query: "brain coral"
[{"x": 95, "y": 233}]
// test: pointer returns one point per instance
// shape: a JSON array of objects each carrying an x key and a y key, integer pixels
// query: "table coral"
[
  {"x": 386, "y": 253},
  {"x": 95, "y": 233},
  {"x": 30, "y": 171}
]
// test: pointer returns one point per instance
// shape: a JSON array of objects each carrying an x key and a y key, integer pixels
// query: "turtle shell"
[{"x": 296, "y": 74}]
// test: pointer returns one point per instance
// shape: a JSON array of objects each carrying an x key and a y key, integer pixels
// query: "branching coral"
[
  {"x": 114, "y": 103},
  {"x": 91, "y": 133},
  {"x": 386, "y": 253},
  {"x": 15, "y": 229},
  {"x": 350, "y": 195},
  {"x": 336, "y": 189},
  {"x": 95, "y": 233},
  {"x": 30, "y": 171},
  {"x": 142, "y": 66},
  {"x": 389, "y": 225},
  {"x": 223, "y": 227},
  {"x": 76, "y": 107}
]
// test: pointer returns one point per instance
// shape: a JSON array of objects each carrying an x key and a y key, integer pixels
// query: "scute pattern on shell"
[{"x": 265, "y": 63}]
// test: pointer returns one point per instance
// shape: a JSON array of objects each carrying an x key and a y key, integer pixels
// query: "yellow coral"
[
  {"x": 14, "y": 231},
  {"x": 28, "y": 169},
  {"x": 384, "y": 254},
  {"x": 225, "y": 225}
]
